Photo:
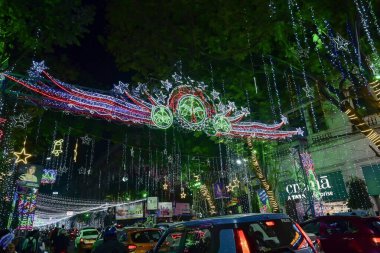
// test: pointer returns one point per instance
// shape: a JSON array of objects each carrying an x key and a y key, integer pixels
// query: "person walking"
[{"x": 110, "y": 243}]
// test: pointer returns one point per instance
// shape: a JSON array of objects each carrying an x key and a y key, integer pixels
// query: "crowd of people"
[
  {"x": 53, "y": 241},
  {"x": 56, "y": 240}
]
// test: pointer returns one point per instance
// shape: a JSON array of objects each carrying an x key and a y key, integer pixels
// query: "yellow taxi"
[{"x": 140, "y": 240}]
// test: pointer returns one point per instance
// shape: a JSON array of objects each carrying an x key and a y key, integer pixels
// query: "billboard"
[
  {"x": 219, "y": 191},
  {"x": 165, "y": 209},
  {"x": 130, "y": 211},
  {"x": 152, "y": 203},
  {"x": 30, "y": 176},
  {"x": 331, "y": 186},
  {"x": 182, "y": 208}
]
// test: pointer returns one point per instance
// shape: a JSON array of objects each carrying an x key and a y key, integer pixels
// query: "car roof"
[{"x": 232, "y": 219}]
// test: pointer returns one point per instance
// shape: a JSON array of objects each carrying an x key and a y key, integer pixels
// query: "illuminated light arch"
[{"x": 190, "y": 104}]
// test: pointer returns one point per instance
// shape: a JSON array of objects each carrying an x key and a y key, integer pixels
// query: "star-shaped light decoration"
[
  {"x": 57, "y": 147},
  {"x": 166, "y": 85},
  {"x": 165, "y": 186},
  {"x": 86, "y": 140},
  {"x": 132, "y": 152},
  {"x": 245, "y": 111},
  {"x": 120, "y": 88},
  {"x": 229, "y": 187},
  {"x": 22, "y": 156},
  {"x": 62, "y": 170},
  {"x": 231, "y": 106},
  {"x": 161, "y": 98},
  {"x": 236, "y": 182},
  {"x": 308, "y": 91},
  {"x": 141, "y": 87},
  {"x": 340, "y": 43},
  {"x": 197, "y": 178},
  {"x": 183, "y": 194},
  {"x": 221, "y": 107},
  {"x": 82, "y": 170},
  {"x": 20, "y": 121},
  {"x": 165, "y": 151},
  {"x": 299, "y": 131},
  {"x": 284, "y": 119},
  {"x": 215, "y": 95},
  {"x": 177, "y": 78},
  {"x": 89, "y": 172},
  {"x": 202, "y": 85},
  {"x": 37, "y": 68}
]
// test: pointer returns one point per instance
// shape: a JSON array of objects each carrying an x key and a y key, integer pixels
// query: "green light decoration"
[
  {"x": 162, "y": 117},
  {"x": 313, "y": 185},
  {"x": 191, "y": 111},
  {"x": 374, "y": 65},
  {"x": 221, "y": 124}
]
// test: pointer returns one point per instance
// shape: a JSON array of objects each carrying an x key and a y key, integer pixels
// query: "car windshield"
[
  {"x": 272, "y": 235},
  {"x": 146, "y": 236},
  {"x": 90, "y": 232}
]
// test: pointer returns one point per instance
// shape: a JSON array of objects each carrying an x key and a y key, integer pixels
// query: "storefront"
[
  {"x": 372, "y": 178},
  {"x": 331, "y": 189}
]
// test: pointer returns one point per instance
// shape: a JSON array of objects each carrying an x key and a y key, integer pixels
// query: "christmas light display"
[
  {"x": 49, "y": 176},
  {"x": 86, "y": 140},
  {"x": 183, "y": 194},
  {"x": 26, "y": 210},
  {"x": 75, "y": 151},
  {"x": 20, "y": 121},
  {"x": 57, "y": 147},
  {"x": 185, "y": 101},
  {"x": 308, "y": 165},
  {"x": 206, "y": 194},
  {"x": 22, "y": 156}
]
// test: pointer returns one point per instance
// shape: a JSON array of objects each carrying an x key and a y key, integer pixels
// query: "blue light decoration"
[
  {"x": 175, "y": 100},
  {"x": 49, "y": 176}
]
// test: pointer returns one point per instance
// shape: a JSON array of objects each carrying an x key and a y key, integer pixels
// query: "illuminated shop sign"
[{"x": 331, "y": 187}]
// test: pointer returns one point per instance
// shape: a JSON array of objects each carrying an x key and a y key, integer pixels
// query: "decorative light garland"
[{"x": 186, "y": 103}]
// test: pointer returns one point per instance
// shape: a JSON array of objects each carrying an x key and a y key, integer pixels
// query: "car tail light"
[
  {"x": 241, "y": 242},
  {"x": 376, "y": 240},
  {"x": 306, "y": 238},
  {"x": 131, "y": 247},
  {"x": 270, "y": 223}
]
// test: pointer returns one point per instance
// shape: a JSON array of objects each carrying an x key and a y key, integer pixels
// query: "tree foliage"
[{"x": 358, "y": 197}]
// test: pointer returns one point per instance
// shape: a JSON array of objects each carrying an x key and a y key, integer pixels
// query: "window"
[
  {"x": 146, "y": 236},
  {"x": 312, "y": 227},
  {"x": 198, "y": 241},
  {"x": 226, "y": 241},
  {"x": 265, "y": 236},
  {"x": 172, "y": 242},
  {"x": 90, "y": 232},
  {"x": 337, "y": 227},
  {"x": 191, "y": 240}
]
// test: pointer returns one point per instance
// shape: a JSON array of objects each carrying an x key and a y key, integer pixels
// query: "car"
[
  {"x": 243, "y": 233},
  {"x": 135, "y": 239},
  {"x": 86, "y": 239},
  {"x": 164, "y": 225},
  {"x": 344, "y": 233}
]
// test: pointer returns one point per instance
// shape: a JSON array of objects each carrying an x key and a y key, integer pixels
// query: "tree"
[{"x": 358, "y": 197}]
